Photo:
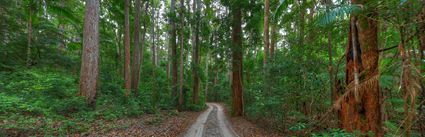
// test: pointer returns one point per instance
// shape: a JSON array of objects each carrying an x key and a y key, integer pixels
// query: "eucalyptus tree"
[
  {"x": 90, "y": 59},
  {"x": 137, "y": 50},
  {"x": 195, "y": 50},
  {"x": 266, "y": 31},
  {"x": 237, "y": 55},
  {"x": 127, "y": 71},
  {"x": 181, "y": 42},
  {"x": 173, "y": 46}
]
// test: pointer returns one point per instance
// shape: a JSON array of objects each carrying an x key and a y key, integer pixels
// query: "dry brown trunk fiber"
[{"x": 361, "y": 108}]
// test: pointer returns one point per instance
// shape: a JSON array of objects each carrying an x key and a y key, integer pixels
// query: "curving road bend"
[{"x": 211, "y": 123}]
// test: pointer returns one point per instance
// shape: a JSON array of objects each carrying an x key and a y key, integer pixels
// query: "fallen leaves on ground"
[{"x": 158, "y": 125}]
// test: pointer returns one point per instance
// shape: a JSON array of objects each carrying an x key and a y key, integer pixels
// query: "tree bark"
[
  {"x": 173, "y": 45},
  {"x": 153, "y": 37},
  {"x": 266, "y": 31},
  {"x": 90, "y": 58},
  {"x": 181, "y": 97},
  {"x": 206, "y": 76},
  {"x": 118, "y": 50},
  {"x": 237, "y": 91},
  {"x": 127, "y": 70},
  {"x": 273, "y": 39},
  {"x": 421, "y": 37},
  {"x": 136, "y": 54},
  {"x": 361, "y": 108},
  {"x": 332, "y": 86},
  {"x": 405, "y": 84},
  {"x": 195, "y": 39}
]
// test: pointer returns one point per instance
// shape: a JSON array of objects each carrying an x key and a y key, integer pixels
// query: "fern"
[{"x": 325, "y": 18}]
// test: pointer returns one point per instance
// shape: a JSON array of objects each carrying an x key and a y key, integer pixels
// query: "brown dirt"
[
  {"x": 162, "y": 125},
  {"x": 245, "y": 128}
]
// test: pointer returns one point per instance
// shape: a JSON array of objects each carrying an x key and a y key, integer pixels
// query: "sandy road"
[{"x": 211, "y": 123}]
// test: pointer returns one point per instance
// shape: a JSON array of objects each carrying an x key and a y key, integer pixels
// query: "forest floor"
[
  {"x": 158, "y": 125},
  {"x": 214, "y": 123}
]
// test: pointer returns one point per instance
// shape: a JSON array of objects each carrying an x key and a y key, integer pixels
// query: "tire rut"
[{"x": 212, "y": 128}]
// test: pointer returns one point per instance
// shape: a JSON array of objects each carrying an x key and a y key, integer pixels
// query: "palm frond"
[
  {"x": 283, "y": 5},
  {"x": 341, "y": 12}
]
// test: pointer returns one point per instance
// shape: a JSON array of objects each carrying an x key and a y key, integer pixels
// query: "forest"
[{"x": 212, "y": 68}]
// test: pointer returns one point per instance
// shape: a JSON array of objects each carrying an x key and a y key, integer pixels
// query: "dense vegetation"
[{"x": 298, "y": 67}]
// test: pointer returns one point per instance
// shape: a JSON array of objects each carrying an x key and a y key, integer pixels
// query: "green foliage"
[
  {"x": 338, "y": 13},
  {"x": 335, "y": 133}
]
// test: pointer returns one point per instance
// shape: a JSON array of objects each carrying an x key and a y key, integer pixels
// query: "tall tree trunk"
[
  {"x": 360, "y": 107},
  {"x": 195, "y": 66},
  {"x": 206, "y": 75},
  {"x": 173, "y": 45},
  {"x": 237, "y": 91},
  {"x": 127, "y": 70},
  {"x": 136, "y": 53},
  {"x": 28, "y": 61},
  {"x": 273, "y": 38},
  {"x": 405, "y": 84},
  {"x": 90, "y": 58},
  {"x": 118, "y": 50},
  {"x": 330, "y": 69},
  {"x": 332, "y": 86},
  {"x": 181, "y": 97},
  {"x": 153, "y": 36},
  {"x": 266, "y": 31},
  {"x": 155, "y": 93},
  {"x": 421, "y": 37}
]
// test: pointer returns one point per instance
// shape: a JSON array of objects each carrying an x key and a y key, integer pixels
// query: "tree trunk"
[
  {"x": 136, "y": 53},
  {"x": 266, "y": 30},
  {"x": 332, "y": 86},
  {"x": 273, "y": 39},
  {"x": 195, "y": 66},
  {"x": 153, "y": 36},
  {"x": 421, "y": 37},
  {"x": 118, "y": 50},
  {"x": 405, "y": 84},
  {"x": 173, "y": 45},
  {"x": 206, "y": 76},
  {"x": 181, "y": 97},
  {"x": 90, "y": 58},
  {"x": 28, "y": 61},
  {"x": 237, "y": 91},
  {"x": 330, "y": 69},
  {"x": 360, "y": 107},
  {"x": 127, "y": 70}
]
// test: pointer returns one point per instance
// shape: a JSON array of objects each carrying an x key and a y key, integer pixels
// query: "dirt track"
[{"x": 211, "y": 123}]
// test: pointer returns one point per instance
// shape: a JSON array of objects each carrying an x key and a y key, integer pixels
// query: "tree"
[
  {"x": 127, "y": 71},
  {"x": 90, "y": 58},
  {"x": 195, "y": 51},
  {"x": 153, "y": 37},
  {"x": 173, "y": 46},
  {"x": 181, "y": 40},
  {"x": 274, "y": 34},
  {"x": 360, "y": 107},
  {"x": 237, "y": 91},
  {"x": 421, "y": 37},
  {"x": 266, "y": 31},
  {"x": 137, "y": 50}
]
